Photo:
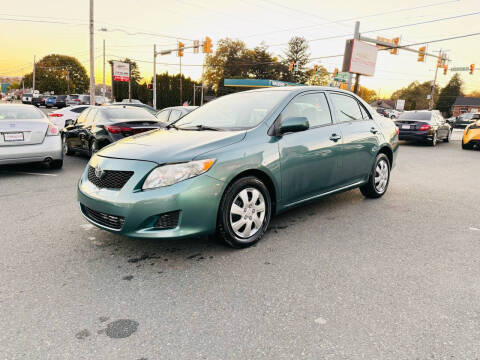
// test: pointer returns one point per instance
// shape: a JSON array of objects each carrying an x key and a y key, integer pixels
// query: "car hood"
[{"x": 167, "y": 146}]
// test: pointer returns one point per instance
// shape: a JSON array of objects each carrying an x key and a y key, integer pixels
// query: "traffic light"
[
  {"x": 150, "y": 86},
  {"x": 207, "y": 45},
  {"x": 445, "y": 68},
  {"x": 315, "y": 69},
  {"x": 290, "y": 66},
  {"x": 335, "y": 72},
  {"x": 421, "y": 53},
  {"x": 439, "y": 61},
  {"x": 472, "y": 67},
  {"x": 180, "y": 48},
  {"x": 196, "y": 46},
  {"x": 394, "y": 51}
]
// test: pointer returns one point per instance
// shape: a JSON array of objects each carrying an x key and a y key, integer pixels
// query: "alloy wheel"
[
  {"x": 247, "y": 212},
  {"x": 381, "y": 176}
]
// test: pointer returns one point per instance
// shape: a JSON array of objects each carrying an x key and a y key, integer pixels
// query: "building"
[{"x": 465, "y": 104}]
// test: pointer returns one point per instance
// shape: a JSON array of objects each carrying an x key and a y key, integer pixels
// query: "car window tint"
[
  {"x": 79, "y": 109},
  {"x": 314, "y": 107},
  {"x": 364, "y": 112},
  {"x": 163, "y": 115},
  {"x": 346, "y": 108},
  {"x": 175, "y": 115}
]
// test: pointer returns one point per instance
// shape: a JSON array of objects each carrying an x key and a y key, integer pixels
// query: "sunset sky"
[{"x": 59, "y": 26}]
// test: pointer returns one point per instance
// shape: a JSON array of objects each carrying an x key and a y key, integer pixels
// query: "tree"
[
  {"x": 59, "y": 73},
  {"x": 168, "y": 90},
  {"x": 474, "y": 93},
  {"x": 415, "y": 95},
  {"x": 298, "y": 52},
  {"x": 263, "y": 65},
  {"x": 321, "y": 78},
  {"x": 448, "y": 94},
  {"x": 369, "y": 95}
]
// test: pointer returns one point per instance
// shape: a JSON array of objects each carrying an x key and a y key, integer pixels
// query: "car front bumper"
[
  {"x": 195, "y": 200},
  {"x": 51, "y": 147},
  {"x": 471, "y": 136}
]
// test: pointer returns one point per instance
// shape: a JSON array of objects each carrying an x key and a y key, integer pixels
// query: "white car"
[
  {"x": 27, "y": 98},
  {"x": 26, "y": 135},
  {"x": 59, "y": 117}
]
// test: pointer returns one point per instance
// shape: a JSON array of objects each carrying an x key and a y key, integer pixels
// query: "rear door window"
[
  {"x": 312, "y": 106},
  {"x": 346, "y": 108},
  {"x": 175, "y": 115}
]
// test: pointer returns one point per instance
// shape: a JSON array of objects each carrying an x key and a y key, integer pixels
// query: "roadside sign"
[
  {"x": 461, "y": 68},
  {"x": 400, "y": 105},
  {"x": 121, "y": 71},
  {"x": 360, "y": 57},
  {"x": 341, "y": 77}
]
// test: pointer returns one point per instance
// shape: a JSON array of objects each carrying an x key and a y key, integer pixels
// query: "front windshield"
[{"x": 238, "y": 111}]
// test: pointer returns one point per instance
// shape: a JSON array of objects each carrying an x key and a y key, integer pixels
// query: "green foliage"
[
  {"x": 448, "y": 95},
  {"x": 415, "y": 95},
  {"x": 297, "y": 51},
  {"x": 59, "y": 73},
  {"x": 321, "y": 78},
  {"x": 168, "y": 90}
]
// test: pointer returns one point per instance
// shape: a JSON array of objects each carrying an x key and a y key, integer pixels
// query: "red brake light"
[
  {"x": 52, "y": 130},
  {"x": 397, "y": 130},
  {"x": 55, "y": 115},
  {"x": 424, "y": 127},
  {"x": 117, "y": 129}
]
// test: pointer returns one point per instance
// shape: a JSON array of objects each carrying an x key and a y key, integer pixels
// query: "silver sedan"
[{"x": 26, "y": 135}]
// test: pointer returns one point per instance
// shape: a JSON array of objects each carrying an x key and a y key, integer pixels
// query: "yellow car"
[{"x": 471, "y": 135}]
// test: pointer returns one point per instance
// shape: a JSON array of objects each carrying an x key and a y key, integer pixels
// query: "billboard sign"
[
  {"x": 400, "y": 105},
  {"x": 121, "y": 71},
  {"x": 360, "y": 58}
]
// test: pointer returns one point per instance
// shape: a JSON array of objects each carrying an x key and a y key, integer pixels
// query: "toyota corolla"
[{"x": 232, "y": 164}]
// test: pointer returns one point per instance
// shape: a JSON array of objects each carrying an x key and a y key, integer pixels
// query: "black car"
[
  {"x": 97, "y": 127},
  {"x": 424, "y": 125},
  {"x": 150, "y": 109},
  {"x": 60, "y": 101},
  {"x": 39, "y": 100},
  {"x": 466, "y": 119}
]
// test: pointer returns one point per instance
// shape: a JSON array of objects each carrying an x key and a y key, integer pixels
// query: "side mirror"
[
  {"x": 294, "y": 124},
  {"x": 69, "y": 122}
]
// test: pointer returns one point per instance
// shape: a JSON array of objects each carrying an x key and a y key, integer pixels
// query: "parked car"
[
  {"x": 392, "y": 113},
  {"x": 150, "y": 109},
  {"x": 230, "y": 165},
  {"x": 26, "y": 135},
  {"x": 60, "y": 101},
  {"x": 69, "y": 113},
  {"x": 451, "y": 121},
  {"x": 464, "y": 120},
  {"x": 97, "y": 127},
  {"x": 423, "y": 125},
  {"x": 471, "y": 134},
  {"x": 101, "y": 100},
  {"x": 39, "y": 100},
  {"x": 174, "y": 113},
  {"x": 76, "y": 99},
  {"x": 50, "y": 101},
  {"x": 27, "y": 98}
]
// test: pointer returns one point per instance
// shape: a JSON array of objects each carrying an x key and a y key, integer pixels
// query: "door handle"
[
  {"x": 373, "y": 130},
  {"x": 335, "y": 137}
]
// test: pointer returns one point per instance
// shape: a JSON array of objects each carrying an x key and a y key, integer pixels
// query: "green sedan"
[{"x": 232, "y": 164}]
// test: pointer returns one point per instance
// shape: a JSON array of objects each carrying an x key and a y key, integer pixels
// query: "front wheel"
[
  {"x": 466, "y": 146},
  {"x": 245, "y": 212},
  {"x": 379, "y": 178}
]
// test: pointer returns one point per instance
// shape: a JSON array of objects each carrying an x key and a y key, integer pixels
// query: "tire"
[
  {"x": 372, "y": 189},
  {"x": 466, "y": 146},
  {"x": 56, "y": 164},
  {"x": 236, "y": 214},
  {"x": 66, "y": 149},
  {"x": 434, "y": 140},
  {"x": 93, "y": 148}
]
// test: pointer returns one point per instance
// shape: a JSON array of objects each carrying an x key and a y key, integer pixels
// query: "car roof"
[{"x": 179, "y": 107}]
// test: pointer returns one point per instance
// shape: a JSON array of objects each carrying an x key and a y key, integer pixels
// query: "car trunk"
[
  {"x": 411, "y": 125},
  {"x": 132, "y": 127},
  {"x": 22, "y": 132}
]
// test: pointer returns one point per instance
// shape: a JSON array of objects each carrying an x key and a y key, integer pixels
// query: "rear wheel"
[
  {"x": 245, "y": 212},
  {"x": 447, "y": 139},
  {"x": 466, "y": 146},
  {"x": 56, "y": 164},
  {"x": 66, "y": 148},
  {"x": 379, "y": 178}
]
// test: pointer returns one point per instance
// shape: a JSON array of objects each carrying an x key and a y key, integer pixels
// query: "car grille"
[
  {"x": 108, "y": 220},
  {"x": 167, "y": 220},
  {"x": 111, "y": 179}
]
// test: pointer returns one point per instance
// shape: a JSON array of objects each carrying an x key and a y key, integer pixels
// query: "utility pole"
[
  {"x": 155, "y": 77},
  {"x": 356, "y": 35},
  {"x": 104, "y": 87},
  {"x": 203, "y": 65},
  {"x": 33, "y": 78},
  {"x": 432, "y": 91},
  {"x": 129, "y": 82},
  {"x": 92, "y": 58},
  {"x": 194, "y": 89},
  {"x": 180, "y": 80},
  {"x": 68, "y": 83}
]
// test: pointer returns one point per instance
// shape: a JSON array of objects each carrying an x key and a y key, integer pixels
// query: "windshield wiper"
[
  {"x": 200, "y": 128},
  {"x": 171, "y": 126}
]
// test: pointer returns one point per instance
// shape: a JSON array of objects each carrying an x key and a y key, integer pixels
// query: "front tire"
[
  {"x": 447, "y": 139},
  {"x": 466, "y": 146},
  {"x": 244, "y": 213},
  {"x": 379, "y": 178},
  {"x": 66, "y": 148}
]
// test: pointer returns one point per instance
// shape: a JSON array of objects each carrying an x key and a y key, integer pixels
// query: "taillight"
[
  {"x": 424, "y": 127},
  {"x": 55, "y": 115},
  {"x": 52, "y": 130},
  {"x": 117, "y": 129},
  {"x": 397, "y": 130}
]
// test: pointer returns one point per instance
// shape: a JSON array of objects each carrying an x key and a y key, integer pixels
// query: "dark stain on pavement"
[
  {"x": 122, "y": 328},
  {"x": 128, "y": 277},
  {"x": 82, "y": 334},
  {"x": 193, "y": 256}
]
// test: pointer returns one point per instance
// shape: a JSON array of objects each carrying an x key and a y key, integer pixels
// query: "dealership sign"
[
  {"x": 121, "y": 71},
  {"x": 360, "y": 58}
]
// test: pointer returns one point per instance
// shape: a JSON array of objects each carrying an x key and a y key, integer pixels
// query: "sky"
[{"x": 132, "y": 27}]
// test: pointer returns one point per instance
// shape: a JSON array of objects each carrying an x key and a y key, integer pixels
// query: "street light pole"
[
  {"x": 104, "y": 87},
  {"x": 92, "y": 58},
  {"x": 33, "y": 76},
  {"x": 356, "y": 35},
  {"x": 155, "y": 77},
  {"x": 180, "y": 79},
  {"x": 432, "y": 90}
]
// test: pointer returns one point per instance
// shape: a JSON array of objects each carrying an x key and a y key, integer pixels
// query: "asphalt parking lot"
[{"x": 340, "y": 278}]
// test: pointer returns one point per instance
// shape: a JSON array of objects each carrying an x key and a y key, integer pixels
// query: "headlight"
[{"x": 171, "y": 174}]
